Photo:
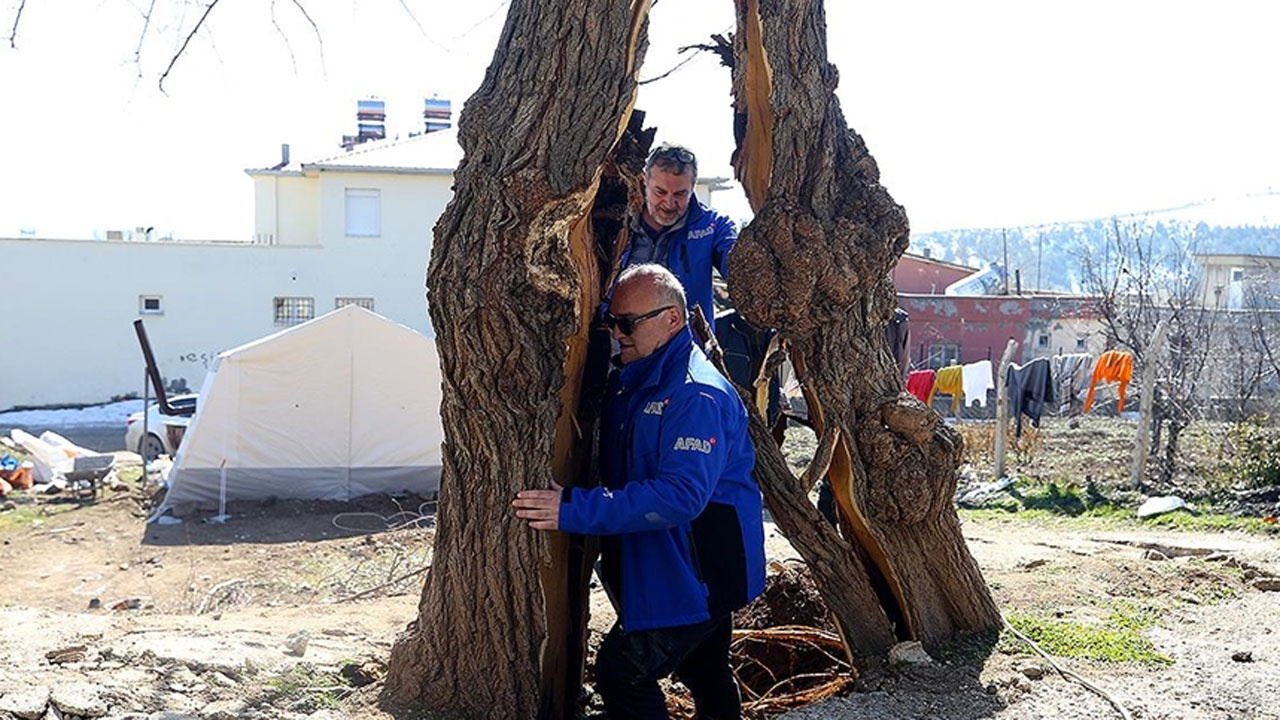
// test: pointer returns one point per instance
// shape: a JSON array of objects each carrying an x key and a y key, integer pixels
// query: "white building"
[
  {"x": 352, "y": 228},
  {"x": 1239, "y": 281}
]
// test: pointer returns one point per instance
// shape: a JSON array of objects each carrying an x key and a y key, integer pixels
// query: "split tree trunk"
[
  {"x": 522, "y": 252},
  {"x": 515, "y": 276},
  {"x": 815, "y": 264}
]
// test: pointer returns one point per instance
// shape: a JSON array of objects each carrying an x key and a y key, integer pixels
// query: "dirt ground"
[{"x": 280, "y": 613}]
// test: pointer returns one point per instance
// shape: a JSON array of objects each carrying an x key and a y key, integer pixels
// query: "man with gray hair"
[
  {"x": 676, "y": 230},
  {"x": 678, "y": 512}
]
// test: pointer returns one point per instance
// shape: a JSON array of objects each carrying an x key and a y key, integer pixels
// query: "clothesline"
[{"x": 1035, "y": 386}]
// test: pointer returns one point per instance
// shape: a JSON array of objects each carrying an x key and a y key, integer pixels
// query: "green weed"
[
  {"x": 30, "y": 513},
  {"x": 1118, "y": 639}
]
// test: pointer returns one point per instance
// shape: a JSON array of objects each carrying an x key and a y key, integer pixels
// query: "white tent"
[{"x": 344, "y": 405}]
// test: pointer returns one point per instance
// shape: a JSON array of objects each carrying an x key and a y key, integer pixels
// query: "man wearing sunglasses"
[
  {"x": 676, "y": 230},
  {"x": 679, "y": 515}
]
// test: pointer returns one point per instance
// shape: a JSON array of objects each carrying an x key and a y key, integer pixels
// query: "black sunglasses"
[
  {"x": 674, "y": 153},
  {"x": 627, "y": 323}
]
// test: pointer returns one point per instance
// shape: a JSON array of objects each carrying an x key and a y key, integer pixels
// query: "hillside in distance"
[{"x": 1049, "y": 256}]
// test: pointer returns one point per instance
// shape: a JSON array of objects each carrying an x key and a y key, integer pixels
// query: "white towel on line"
[{"x": 977, "y": 381}]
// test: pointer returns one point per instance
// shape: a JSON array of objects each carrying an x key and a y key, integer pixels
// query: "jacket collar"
[{"x": 649, "y": 371}]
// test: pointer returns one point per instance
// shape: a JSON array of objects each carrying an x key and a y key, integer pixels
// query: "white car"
[{"x": 156, "y": 442}]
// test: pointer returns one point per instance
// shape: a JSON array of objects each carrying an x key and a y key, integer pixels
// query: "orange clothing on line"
[
  {"x": 1114, "y": 366},
  {"x": 950, "y": 382}
]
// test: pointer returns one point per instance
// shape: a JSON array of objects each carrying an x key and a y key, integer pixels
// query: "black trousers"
[{"x": 629, "y": 665}]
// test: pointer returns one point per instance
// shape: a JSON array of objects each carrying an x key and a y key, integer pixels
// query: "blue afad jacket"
[
  {"x": 699, "y": 242},
  {"x": 679, "y": 510}
]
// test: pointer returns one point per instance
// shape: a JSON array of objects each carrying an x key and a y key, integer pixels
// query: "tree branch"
[
  {"x": 722, "y": 48},
  {"x": 316, "y": 29},
  {"x": 146, "y": 24},
  {"x": 280, "y": 31},
  {"x": 404, "y": 4},
  {"x": 13, "y": 34},
  {"x": 172, "y": 61}
]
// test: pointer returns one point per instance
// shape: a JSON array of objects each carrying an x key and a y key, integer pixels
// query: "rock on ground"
[
  {"x": 27, "y": 704},
  {"x": 78, "y": 699}
]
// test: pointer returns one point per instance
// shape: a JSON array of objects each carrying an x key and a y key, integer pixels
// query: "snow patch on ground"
[{"x": 110, "y": 414}]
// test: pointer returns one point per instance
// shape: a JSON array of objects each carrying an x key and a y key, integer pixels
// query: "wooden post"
[
  {"x": 1002, "y": 406},
  {"x": 1142, "y": 446}
]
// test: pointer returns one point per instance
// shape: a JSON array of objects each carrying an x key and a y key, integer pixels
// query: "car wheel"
[{"x": 151, "y": 447}]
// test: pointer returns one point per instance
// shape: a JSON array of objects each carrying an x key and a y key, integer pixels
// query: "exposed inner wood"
[
  {"x": 814, "y": 264},
  {"x": 754, "y": 157},
  {"x": 515, "y": 276}
]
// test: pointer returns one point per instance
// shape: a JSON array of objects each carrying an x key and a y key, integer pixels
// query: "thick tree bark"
[
  {"x": 552, "y": 155},
  {"x": 815, "y": 264},
  {"x": 515, "y": 276}
]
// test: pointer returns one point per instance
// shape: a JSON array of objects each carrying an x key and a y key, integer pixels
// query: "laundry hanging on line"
[
  {"x": 950, "y": 381},
  {"x": 1071, "y": 374},
  {"x": 897, "y": 333},
  {"x": 977, "y": 381},
  {"x": 1113, "y": 366},
  {"x": 1030, "y": 390},
  {"x": 920, "y": 384}
]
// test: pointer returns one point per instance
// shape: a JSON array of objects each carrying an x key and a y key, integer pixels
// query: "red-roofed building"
[{"x": 924, "y": 275}]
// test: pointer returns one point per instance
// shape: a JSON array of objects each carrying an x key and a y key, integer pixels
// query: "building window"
[
  {"x": 942, "y": 355},
  {"x": 364, "y": 212},
  {"x": 366, "y": 303},
  {"x": 294, "y": 310},
  {"x": 150, "y": 305},
  {"x": 1237, "y": 274},
  {"x": 1080, "y": 344},
  {"x": 1042, "y": 341}
]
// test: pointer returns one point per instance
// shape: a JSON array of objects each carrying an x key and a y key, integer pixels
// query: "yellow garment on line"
[{"x": 950, "y": 382}]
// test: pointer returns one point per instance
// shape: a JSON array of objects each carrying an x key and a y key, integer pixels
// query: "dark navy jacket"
[
  {"x": 700, "y": 242},
  {"x": 679, "y": 511}
]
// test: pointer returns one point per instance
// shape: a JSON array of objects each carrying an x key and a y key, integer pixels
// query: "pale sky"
[{"x": 979, "y": 113}]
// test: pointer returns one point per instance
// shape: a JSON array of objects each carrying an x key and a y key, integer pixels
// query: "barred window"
[
  {"x": 942, "y": 355},
  {"x": 364, "y": 302},
  {"x": 294, "y": 310}
]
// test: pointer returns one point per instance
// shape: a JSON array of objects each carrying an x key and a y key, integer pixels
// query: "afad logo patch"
[
  {"x": 702, "y": 232},
  {"x": 656, "y": 407},
  {"x": 692, "y": 443}
]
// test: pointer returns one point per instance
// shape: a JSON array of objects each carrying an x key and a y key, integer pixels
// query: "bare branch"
[
  {"x": 13, "y": 34},
  {"x": 172, "y": 61},
  {"x": 484, "y": 20},
  {"x": 722, "y": 48},
  {"x": 679, "y": 65},
  {"x": 404, "y": 4},
  {"x": 146, "y": 23},
  {"x": 316, "y": 29},
  {"x": 289, "y": 48}
]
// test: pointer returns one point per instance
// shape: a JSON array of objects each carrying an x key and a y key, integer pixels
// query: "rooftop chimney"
[{"x": 284, "y": 154}]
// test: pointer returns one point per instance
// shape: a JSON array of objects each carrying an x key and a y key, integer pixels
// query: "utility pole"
[
  {"x": 1142, "y": 445},
  {"x": 1005, "y": 239},
  {"x": 1039, "y": 261},
  {"x": 1002, "y": 406}
]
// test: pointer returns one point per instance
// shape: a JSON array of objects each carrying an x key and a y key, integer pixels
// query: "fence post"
[
  {"x": 1142, "y": 446},
  {"x": 1002, "y": 406}
]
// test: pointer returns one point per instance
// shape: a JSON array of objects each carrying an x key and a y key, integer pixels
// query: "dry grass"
[{"x": 980, "y": 442}]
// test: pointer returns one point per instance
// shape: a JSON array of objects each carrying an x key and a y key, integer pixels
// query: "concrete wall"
[
  {"x": 981, "y": 326},
  {"x": 69, "y": 304}
]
